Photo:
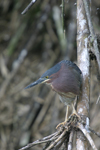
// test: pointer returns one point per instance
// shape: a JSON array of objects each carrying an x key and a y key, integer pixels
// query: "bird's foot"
[
  {"x": 61, "y": 124},
  {"x": 75, "y": 115}
]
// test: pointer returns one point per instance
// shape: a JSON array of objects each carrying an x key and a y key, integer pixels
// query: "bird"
[{"x": 65, "y": 78}]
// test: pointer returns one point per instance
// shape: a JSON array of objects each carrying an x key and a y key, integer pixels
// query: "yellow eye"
[{"x": 46, "y": 77}]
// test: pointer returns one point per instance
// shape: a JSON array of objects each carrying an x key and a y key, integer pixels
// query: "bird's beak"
[{"x": 40, "y": 80}]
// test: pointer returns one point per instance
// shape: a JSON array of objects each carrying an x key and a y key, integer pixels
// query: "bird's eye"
[{"x": 46, "y": 77}]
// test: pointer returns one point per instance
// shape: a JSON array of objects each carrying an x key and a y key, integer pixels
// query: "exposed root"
[{"x": 64, "y": 133}]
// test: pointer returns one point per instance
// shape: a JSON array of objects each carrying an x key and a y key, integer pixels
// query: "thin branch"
[
  {"x": 47, "y": 144},
  {"x": 43, "y": 140},
  {"x": 81, "y": 127},
  {"x": 63, "y": 15},
  {"x": 58, "y": 145},
  {"x": 57, "y": 140},
  {"x": 64, "y": 133},
  {"x": 98, "y": 99},
  {"x": 96, "y": 133},
  {"x": 94, "y": 38},
  {"x": 70, "y": 143},
  {"x": 28, "y": 7}
]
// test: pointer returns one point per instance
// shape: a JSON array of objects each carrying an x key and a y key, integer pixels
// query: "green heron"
[{"x": 65, "y": 78}]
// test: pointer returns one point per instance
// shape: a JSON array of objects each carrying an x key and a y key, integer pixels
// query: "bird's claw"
[
  {"x": 76, "y": 114},
  {"x": 61, "y": 124}
]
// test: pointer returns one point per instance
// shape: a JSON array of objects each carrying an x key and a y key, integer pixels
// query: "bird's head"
[{"x": 48, "y": 77}]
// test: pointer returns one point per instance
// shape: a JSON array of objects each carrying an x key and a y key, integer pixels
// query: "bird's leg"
[
  {"x": 66, "y": 118},
  {"x": 75, "y": 112}
]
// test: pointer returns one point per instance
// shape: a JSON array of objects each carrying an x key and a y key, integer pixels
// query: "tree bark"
[{"x": 83, "y": 63}]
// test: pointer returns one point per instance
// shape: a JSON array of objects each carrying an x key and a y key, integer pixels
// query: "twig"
[
  {"x": 70, "y": 146},
  {"x": 59, "y": 143},
  {"x": 57, "y": 140},
  {"x": 96, "y": 133},
  {"x": 43, "y": 140},
  {"x": 63, "y": 22},
  {"x": 98, "y": 99},
  {"x": 81, "y": 127},
  {"x": 11, "y": 75},
  {"x": 28, "y": 7},
  {"x": 47, "y": 144},
  {"x": 43, "y": 112},
  {"x": 60, "y": 32},
  {"x": 94, "y": 39}
]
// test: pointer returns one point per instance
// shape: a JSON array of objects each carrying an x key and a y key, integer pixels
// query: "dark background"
[{"x": 29, "y": 45}]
